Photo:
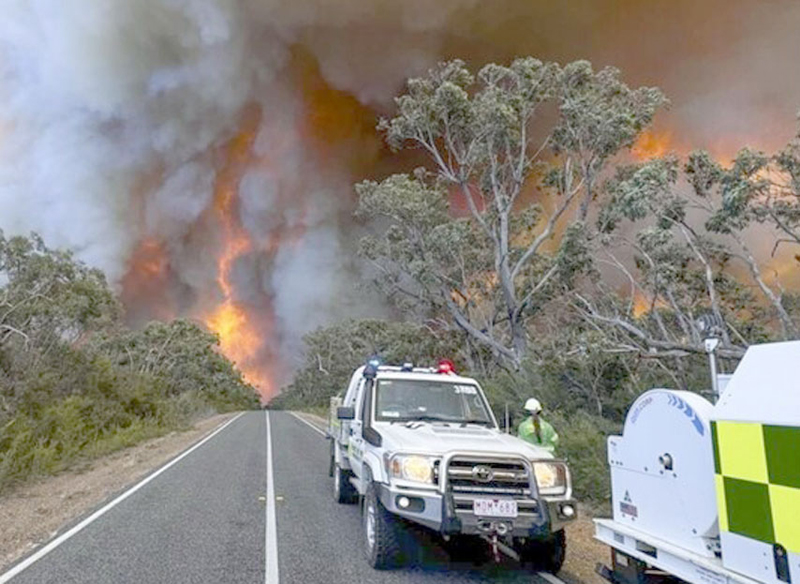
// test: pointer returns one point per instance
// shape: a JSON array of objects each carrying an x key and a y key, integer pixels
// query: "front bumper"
[{"x": 451, "y": 515}]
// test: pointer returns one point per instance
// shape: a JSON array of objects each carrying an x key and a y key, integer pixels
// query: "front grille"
[{"x": 488, "y": 477}]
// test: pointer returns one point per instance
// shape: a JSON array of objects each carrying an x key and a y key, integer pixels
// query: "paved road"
[{"x": 206, "y": 519}]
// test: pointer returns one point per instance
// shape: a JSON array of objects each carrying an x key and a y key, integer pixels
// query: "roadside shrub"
[
  {"x": 582, "y": 441},
  {"x": 76, "y": 383},
  {"x": 115, "y": 408}
]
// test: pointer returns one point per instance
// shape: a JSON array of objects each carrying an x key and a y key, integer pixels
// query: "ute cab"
[{"x": 422, "y": 445}]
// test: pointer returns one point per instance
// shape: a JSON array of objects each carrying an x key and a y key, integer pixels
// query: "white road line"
[
  {"x": 100, "y": 512},
  {"x": 550, "y": 578},
  {"x": 310, "y": 425},
  {"x": 271, "y": 531}
]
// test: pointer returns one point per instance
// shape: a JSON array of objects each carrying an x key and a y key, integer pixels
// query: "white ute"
[{"x": 422, "y": 446}]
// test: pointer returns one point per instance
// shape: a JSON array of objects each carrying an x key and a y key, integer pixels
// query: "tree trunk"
[
  {"x": 519, "y": 339},
  {"x": 788, "y": 326}
]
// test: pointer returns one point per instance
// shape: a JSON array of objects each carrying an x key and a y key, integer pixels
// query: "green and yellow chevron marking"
[{"x": 757, "y": 474}]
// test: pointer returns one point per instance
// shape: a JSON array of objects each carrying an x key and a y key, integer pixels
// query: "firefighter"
[{"x": 536, "y": 430}]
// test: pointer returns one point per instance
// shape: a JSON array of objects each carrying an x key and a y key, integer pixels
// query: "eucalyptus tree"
[
  {"x": 693, "y": 264},
  {"x": 521, "y": 148},
  {"x": 48, "y": 297}
]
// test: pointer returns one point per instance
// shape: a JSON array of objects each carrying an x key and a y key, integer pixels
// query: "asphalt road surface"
[{"x": 229, "y": 510}]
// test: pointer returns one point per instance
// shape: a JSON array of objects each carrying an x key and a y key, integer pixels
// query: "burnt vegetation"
[
  {"x": 76, "y": 383},
  {"x": 576, "y": 274}
]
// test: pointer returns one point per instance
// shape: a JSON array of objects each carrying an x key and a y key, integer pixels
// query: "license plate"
[{"x": 494, "y": 508}]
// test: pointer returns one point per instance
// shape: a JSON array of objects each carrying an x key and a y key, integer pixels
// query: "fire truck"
[{"x": 710, "y": 492}]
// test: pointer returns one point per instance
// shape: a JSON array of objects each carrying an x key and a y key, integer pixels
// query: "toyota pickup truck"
[{"x": 421, "y": 446}]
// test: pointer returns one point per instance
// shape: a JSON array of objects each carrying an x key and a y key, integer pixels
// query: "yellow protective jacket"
[{"x": 547, "y": 437}]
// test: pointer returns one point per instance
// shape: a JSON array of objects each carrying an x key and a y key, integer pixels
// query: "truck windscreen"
[{"x": 403, "y": 400}]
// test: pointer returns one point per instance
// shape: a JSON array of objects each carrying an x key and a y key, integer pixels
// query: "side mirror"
[{"x": 343, "y": 413}]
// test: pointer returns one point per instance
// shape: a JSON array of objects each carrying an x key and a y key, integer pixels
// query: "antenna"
[{"x": 710, "y": 325}]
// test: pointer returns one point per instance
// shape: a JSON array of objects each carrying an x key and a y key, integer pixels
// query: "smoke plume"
[{"x": 202, "y": 152}]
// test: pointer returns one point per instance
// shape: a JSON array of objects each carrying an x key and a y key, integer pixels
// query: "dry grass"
[{"x": 583, "y": 552}]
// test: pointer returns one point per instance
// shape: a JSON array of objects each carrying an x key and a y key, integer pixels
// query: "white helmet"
[{"x": 533, "y": 406}]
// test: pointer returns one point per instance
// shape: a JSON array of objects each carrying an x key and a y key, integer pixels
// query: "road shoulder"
[{"x": 36, "y": 512}]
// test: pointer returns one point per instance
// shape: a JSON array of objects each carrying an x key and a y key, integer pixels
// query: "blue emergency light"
[{"x": 371, "y": 370}]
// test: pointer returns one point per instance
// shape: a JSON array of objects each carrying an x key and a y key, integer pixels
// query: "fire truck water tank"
[{"x": 662, "y": 470}]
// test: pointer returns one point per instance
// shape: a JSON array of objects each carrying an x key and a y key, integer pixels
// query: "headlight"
[
  {"x": 551, "y": 478},
  {"x": 412, "y": 467}
]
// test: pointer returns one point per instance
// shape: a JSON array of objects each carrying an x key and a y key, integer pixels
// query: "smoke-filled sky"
[{"x": 202, "y": 152}]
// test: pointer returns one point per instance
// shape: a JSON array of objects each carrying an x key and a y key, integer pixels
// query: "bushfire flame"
[
  {"x": 240, "y": 339},
  {"x": 653, "y": 144},
  {"x": 147, "y": 278}
]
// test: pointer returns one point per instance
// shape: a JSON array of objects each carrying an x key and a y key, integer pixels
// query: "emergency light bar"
[
  {"x": 444, "y": 367},
  {"x": 371, "y": 370}
]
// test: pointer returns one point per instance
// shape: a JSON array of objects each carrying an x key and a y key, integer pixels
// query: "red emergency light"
[{"x": 446, "y": 367}]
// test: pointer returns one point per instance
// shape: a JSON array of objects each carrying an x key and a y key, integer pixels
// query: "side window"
[{"x": 352, "y": 391}]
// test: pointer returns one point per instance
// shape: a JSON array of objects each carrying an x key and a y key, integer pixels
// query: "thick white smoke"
[
  {"x": 114, "y": 115},
  {"x": 97, "y": 102}
]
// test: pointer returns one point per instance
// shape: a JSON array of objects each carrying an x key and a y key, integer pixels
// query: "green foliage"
[
  {"x": 75, "y": 383},
  {"x": 490, "y": 273},
  {"x": 582, "y": 441},
  {"x": 183, "y": 357},
  {"x": 689, "y": 244},
  {"x": 47, "y": 297},
  {"x": 600, "y": 114}
]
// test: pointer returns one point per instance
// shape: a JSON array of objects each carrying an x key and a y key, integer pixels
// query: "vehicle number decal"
[{"x": 466, "y": 390}]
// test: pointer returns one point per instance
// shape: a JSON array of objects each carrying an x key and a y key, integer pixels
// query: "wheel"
[
  {"x": 383, "y": 536},
  {"x": 547, "y": 555},
  {"x": 343, "y": 491},
  {"x": 554, "y": 552},
  {"x": 332, "y": 465}
]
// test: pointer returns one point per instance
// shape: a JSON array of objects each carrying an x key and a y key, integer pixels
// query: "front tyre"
[
  {"x": 554, "y": 552},
  {"x": 382, "y": 533},
  {"x": 344, "y": 492},
  {"x": 547, "y": 555}
]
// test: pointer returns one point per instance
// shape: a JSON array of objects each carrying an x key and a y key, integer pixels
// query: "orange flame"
[
  {"x": 145, "y": 285},
  {"x": 653, "y": 144},
  {"x": 643, "y": 304},
  {"x": 150, "y": 259},
  {"x": 241, "y": 340}
]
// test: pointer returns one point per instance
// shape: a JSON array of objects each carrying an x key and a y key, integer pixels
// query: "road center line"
[
  {"x": 102, "y": 511},
  {"x": 271, "y": 530},
  {"x": 309, "y": 424}
]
